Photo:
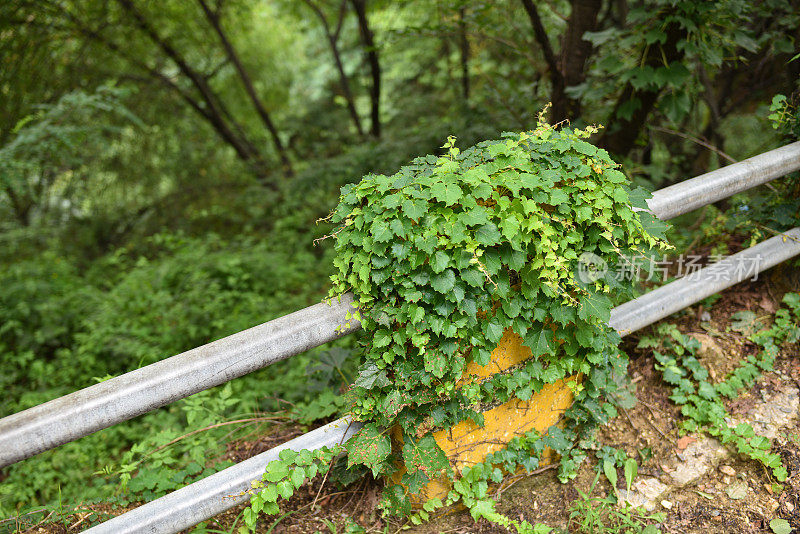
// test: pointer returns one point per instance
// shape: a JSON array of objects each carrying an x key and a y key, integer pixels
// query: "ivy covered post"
[
  {"x": 480, "y": 284},
  {"x": 459, "y": 255}
]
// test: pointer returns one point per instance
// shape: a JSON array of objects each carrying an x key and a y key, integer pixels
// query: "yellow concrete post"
[{"x": 466, "y": 443}]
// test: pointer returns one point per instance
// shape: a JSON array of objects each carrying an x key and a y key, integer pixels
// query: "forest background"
[{"x": 164, "y": 167}]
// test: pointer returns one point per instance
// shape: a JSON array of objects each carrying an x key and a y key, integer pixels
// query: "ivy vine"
[{"x": 453, "y": 251}]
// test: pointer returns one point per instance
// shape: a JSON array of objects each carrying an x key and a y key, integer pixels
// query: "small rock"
[
  {"x": 774, "y": 413},
  {"x": 667, "y": 505},
  {"x": 711, "y": 354},
  {"x": 728, "y": 470},
  {"x": 705, "y": 316},
  {"x": 701, "y": 456},
  {"x": 738, "y": 490},
  {"x": 644, "y": 492},
  {"x": 789, "y": 506}
]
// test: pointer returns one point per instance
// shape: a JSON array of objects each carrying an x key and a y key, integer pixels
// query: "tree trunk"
[
  {"x": 368, "y": 40},
  {"x": 621, "y": 137},
  {"x": 464, "y": 48},
  {"x": 556, "y": 78},
  {"x": 575, "y": 51},
  {"x": 570, "y": 67},
  {"x": 230, "y": 51},
  {"x": 333, "y": 42}
]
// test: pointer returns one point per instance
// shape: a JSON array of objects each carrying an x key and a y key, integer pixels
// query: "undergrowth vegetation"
[
  {"x": 701, "y": 400},
  {"x": 166, "y": 169},
  {"x": 444, "y": 258}
]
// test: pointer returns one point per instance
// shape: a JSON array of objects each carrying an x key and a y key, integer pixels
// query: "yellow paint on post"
[{"x": 466, "y": 443}]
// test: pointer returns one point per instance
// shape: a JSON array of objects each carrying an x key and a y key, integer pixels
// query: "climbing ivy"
[
  {"x": 449, "y": 254},
  {"x": 702, "y": 401}
]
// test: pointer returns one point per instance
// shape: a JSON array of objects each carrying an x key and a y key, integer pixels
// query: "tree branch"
[
  {"x": 333, "y": 38},
  {"x": 214, "y": 20},
  {"x": 541, "y": 37},
  {"x": 367, "y": 37}
]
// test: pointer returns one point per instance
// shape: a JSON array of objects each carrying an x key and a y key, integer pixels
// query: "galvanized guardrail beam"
[
  {"x": 221, "y": 491},
  {"x": 675, "y": 296},
  {"x": 213, "y": 495},
  {"x": 78, "y": 414},
  {"x": 88, "y": 410},
  {"x": 712, "y": 186}
]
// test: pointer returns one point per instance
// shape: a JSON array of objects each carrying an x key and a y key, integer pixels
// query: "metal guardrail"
[
  {"x": 88, "y": 410},
  {"x": 221, "y": 491},
  {"x": 62, "y": 420},
  {"x": 712, "y": 186},
  {"x": 213, "y": 495},
  {"x": 83, "y": 412}
]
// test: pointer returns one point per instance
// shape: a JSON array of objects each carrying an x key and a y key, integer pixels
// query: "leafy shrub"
[{"x": 451, "y": 252}]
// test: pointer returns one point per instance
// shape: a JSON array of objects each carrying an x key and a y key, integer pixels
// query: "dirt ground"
[{"x": 701, "y": 507}]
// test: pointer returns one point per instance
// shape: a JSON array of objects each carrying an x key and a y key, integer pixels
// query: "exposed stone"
[
  {"x": 667, "y": 505},
  {"x": 698, "y": 458},
  {"x": 644, "y": 492},
  {"x": 769, "y": 416},
  {"x": 684, "y": 442},
  {"x": 712, "y": 355},
  {"x": 728, "y": 470}
]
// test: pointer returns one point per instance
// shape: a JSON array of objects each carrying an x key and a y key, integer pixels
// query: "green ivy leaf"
[
  {"x": 285, "y": 489},
  {"x": 276, "y": 470},
  {"x": 446, "y": 192},
  {"x": 425, "y": 455},
  {"x": 436, "y": 363},
  {"x": 297, "y": 476},
  {"x": 595, "y": 306},
  {"x": 269, "y": 493},
  {"x": 414, "y": 208},
  {"x": 440, "y": 261},
  {"x": 370, "y": 376},
  {"x": 540, "y": 340},
  {"x": 488, "y": 234},
  {"x": 380, "y": 231},
  {"x": 444, "y": 282},
  {"x": 369, "y": 448}
]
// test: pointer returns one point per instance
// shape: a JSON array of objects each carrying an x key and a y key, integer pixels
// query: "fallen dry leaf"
[
  {"x": 684, "y": 442},
  {"x": 768, "y": 304}
]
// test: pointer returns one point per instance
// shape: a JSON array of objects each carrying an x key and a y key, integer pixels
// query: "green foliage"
[
  {"x": 46, "y": 159},
  {"x": 702, "y": 402},
  {"x": 452, "y": 251},
  {"x": 785, "y": 116},
  {"x": 283, "y": 476},
  {"x": 448, "y": 254},
  {"x": 593, "y": 515},
  {"x": 64, "y": 327}
]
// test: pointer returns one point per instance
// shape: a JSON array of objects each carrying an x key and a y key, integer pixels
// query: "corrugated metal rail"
[
  {"x": 78, "y": 414},
  {"x": 68, "y": 418},
  {"x": 206, "y": 498}
]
